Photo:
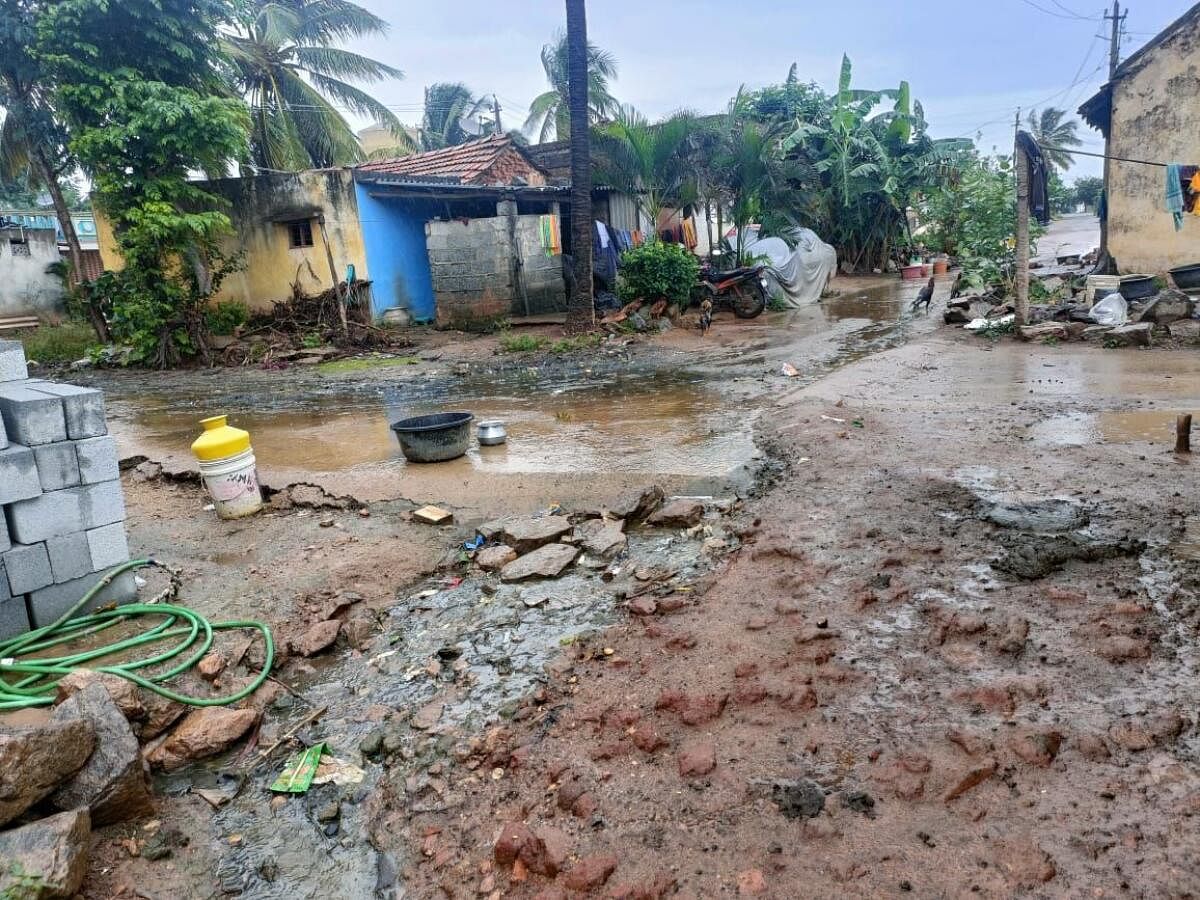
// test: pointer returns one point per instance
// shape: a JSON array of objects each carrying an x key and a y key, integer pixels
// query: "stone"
[
  {"x": 28, "y": 568},
  {"x": 799, "y": 799},
  {"x": 547, "y": 853},
  {"x": 203, "y": 733},
  {"x": 678, "y": 513},
  {"x": 123, "y": 692},
  {"x": 1137, "y": 335},
  {"x": 82, "y": 407},
  {"x": 34, "y": 761},
  {"x": 12, "y": 362},
  {"x": 642, "y": 606},
  {"x": 317, "y": 638},
  {"x": 603, "y": 537},
  {"x": 637, "y": 506},
  {"x": 18, "y": 474},
  {"x": 751, "y": 883},
  {"x": 511, "y": 841},
  {"x": 31, "y": 418},
  {"x": 528, "y": 533},
  {"x": 494, "y": 558},
  {"x": 433, "y": 515},
  {"x": 1025, "y": 863},
  {"x": 51, "y": 853},
  {"x": 427, "y": 717},
  {"x": 697, "y": 758},
  {"x": 1186, "y": 331},
  {"x": 549, "y": 561},
  {"x": 972, "y": 778},
  {"x": 1036, "y": 746},
  {"x": 211, "y": 666},
  {"x": 591, "y": 872},
  {"x": 108, "y": 546},
  {"x": 113, "y": 782},
  {"x": 1013, "y": 635},
  {"x": 1055, "y": 330},
  {"x": 70, "y": 556},
  {"x": 57, "y": 466},
  {"x": 97, "y": 459},
  {"x": 1169, "y": 306},
  {"x": 693, "y": 709}
]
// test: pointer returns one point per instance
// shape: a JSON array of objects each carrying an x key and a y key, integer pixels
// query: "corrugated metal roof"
[{"x": 464, "y": 163}]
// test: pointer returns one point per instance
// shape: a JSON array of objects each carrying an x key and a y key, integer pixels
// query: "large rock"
[
  {"x": 124, "y": 692},
  {"x": 545, "y": 562},
  {"x": 46, "y": 859},
  {"x": 205, "y": 732},
  {"x": 34, "y": 761},
  {"x": 679, "y": 513},
  {"x": 635, "y": 506},
  {"x": 496, "y": 557},
  {"x": 527, "y": 533},
  {"x": 603, "y": 537},
  {"x": 1055, "y": 330},
  {"x": 113, "y": 782},
  {"x": 1186, "y": 330},
  {"x": 316, "y": 638},
  {"x": 1168, "y": 307},
  {"x": 1137, "y": 335}
]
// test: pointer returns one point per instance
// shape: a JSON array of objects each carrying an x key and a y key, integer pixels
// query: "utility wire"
[{"x": 1073, "y": 16}]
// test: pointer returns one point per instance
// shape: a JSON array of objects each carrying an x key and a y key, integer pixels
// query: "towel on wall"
[{"x": 1175, "y": 194}]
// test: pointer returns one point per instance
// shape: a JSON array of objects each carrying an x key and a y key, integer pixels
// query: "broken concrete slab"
[
  {"x": 113, "y": 783},
  {"x": 1138, "y": 335},
  {"x": 682, "y": 512},
  {"x": 433, "y": 515},
  {"x": 603, "y": 537},
  {"x": 1185, "y": 330},
  {"x": 494, "y": 558},
  {"x": 526, "y": 533},
  {"x": 203, "y": 733},
  {"x": 47, "y": 859},
  {"x": 636, "y": 506},
  {"x": 1169, "y": 306},
  {"x": 1055, "y": 330},
  {"x": 549, "y": 561},
  {"x": 34, "y": 761}
]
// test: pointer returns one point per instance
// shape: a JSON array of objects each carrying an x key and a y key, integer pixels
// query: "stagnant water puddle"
[{"x": 1077, "y": 429}]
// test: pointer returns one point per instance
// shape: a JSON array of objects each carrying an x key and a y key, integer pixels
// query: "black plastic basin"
[
  {"x": 1138, "y": 287},
  {"x": 436, "y": 438},
  {"x": 1187, "y": 278}
]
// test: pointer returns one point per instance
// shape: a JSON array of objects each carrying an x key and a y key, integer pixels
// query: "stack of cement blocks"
[{"x": 63, "y": 517}]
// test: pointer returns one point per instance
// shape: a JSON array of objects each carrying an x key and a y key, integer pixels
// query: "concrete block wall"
[
  {"x": 542, "y": 273},
  {"x": 62, "y": 510}
]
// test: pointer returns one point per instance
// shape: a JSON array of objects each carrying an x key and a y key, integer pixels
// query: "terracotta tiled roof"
[{"x": 465, "y": 163}]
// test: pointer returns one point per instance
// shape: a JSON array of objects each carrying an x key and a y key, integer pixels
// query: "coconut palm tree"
[
  {"x": 549, "y": 117},
  {"x": 1051, "y": 131},
  {"x": 447, "y": 104},
  {"x": 649, "y": 162},
  {"x": 294, "y": 78},
  {"x": 577, "y": 65}
]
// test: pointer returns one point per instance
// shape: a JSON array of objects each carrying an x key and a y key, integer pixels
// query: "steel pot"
[{"x": 491, "y": 433}]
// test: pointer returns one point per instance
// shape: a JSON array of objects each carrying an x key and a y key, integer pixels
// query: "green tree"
[
  {"x": 293, "y": 76},
  {"x": 1088, "y": 191},
  {"x": 137, "y": 83},
  {"x": 33, "y": 139},
  {"x": 447, "y": 104},
  {"x": 1053, "y": 131},
  {"x": 649, "y": 162},
  {"x": 549, "y": 114}
]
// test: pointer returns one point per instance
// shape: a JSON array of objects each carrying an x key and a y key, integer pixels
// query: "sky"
[{"x": 971, "y": 64}]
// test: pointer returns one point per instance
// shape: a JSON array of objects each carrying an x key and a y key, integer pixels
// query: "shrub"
[
  {"x": 655, "y": 271},
  {"x": 226, "y": 317},
  {"x": 522, "y": 343}
]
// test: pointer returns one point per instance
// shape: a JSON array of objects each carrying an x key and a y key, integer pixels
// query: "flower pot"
[
  {"x": 941, "y": 266},
  {"x": 911, "y": 273}
]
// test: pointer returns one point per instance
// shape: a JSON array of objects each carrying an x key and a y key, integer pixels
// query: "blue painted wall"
[{"x": 397, "y": 262}]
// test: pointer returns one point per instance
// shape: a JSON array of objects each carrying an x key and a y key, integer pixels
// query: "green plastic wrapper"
[{"x": 297, "y": 776}]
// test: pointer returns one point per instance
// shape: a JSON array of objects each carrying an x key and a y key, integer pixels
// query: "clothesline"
[{"x": 1073, "y": 152}]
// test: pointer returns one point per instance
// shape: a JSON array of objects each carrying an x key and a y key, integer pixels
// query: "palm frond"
[
  {"x": 329, "y": 21},
  {"x": 338, "y": 63},
  {"x": 14, "y": 148}
]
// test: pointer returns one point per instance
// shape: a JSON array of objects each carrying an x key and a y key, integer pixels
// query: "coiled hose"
[{"x": 29, "y": 679}]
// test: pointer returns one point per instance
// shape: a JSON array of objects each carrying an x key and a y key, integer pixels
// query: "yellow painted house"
[{"x": 279, "y": 226}]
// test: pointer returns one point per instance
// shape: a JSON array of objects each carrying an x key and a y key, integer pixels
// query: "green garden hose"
[{"x": 28, "y": 678}]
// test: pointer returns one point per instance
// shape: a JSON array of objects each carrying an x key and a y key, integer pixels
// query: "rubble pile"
[{"x": 60, "y": 492}]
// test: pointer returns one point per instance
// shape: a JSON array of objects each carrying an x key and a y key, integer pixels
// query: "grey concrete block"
[
  {"x": 31, "y": 418},
  {"x": 14, "y": 619},
  {"x": 51, "y": 602},
  {"x": 108, "y": 546},
  {"x": 28, "y": 568},
  {"x": 5, "y": 543},
  {"x": 101, "y": 504},
  {"x": 49, "y": 515},
  {"x": 3, "y": 434},
  {"x": 70, "y": 557},
  {"x": 18, "y": 474},
  {"x": 5, "y": 593},
  {"x": 97, "y": 460},
  {"x": 57, "y": 466},
  {"x": 83, "y": 408},
  {"x": 12, "y": 361}
]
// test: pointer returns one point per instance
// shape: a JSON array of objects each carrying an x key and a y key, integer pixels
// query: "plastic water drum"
[{"x": 228, "y": 468}]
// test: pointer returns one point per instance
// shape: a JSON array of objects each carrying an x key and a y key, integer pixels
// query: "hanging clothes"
[
  {"x": 689, "y": 234},
  {"x": 1175, "y": 194},
  {"x": 1190, "y": 175},
  {"x": 1039, "y": 180},
  {"x": 602, "y": 231},
  {"x": 550, "y": 234},
  {"x": 605, "y": 260}
]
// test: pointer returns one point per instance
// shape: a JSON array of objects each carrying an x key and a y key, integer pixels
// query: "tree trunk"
[
  {"x": 1022, "y": 262},
  {"x": 46, "y": 173},
  {"x": 581, "y": 314}
]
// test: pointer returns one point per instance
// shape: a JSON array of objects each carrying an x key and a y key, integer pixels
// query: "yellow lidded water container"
[{"x": 228, "y": 468}]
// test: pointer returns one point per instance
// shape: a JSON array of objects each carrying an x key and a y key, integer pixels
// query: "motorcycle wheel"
[{"x": 748, "y": 300}]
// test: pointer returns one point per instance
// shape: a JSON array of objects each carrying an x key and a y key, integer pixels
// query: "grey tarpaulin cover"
[{"x": 798, "y": 276}]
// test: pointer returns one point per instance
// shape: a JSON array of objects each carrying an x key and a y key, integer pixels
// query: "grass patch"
[
  {"x": 523, "y": 343},
  {"x": 579, "y": 342},
  {"x": 365, "y": 364},
  {"x": 52, "y": 344}
]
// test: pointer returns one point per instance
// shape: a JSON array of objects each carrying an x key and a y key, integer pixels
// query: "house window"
[
  {"x": 299, "y": 233},
  {"x": 18, "y": 247}
]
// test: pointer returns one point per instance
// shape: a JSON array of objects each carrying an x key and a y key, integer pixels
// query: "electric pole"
[
  {"x": 1104, "y": 263},
  {"x": 496, "y": 110}
]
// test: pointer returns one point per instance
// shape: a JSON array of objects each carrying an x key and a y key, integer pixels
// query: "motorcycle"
[{"x": 744, "y": 290}]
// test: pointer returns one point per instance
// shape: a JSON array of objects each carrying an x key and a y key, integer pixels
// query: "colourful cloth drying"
[{"x": 551, "y": 235}]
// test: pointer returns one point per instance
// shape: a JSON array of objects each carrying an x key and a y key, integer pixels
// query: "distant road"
[{"x": 1076, "y": 233}]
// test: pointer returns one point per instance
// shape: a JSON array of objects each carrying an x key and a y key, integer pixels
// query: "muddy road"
[{"x": 934, "y": 635}]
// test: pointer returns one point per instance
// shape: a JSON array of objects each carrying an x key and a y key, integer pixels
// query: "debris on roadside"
[{"x": 433, "y": 515}]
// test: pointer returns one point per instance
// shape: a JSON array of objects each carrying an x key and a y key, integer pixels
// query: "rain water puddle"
[{"x": 1076, "y": 429}]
